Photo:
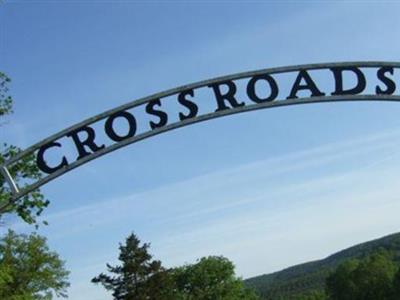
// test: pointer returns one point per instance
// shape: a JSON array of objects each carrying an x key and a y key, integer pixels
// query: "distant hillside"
[{"x": 305, "y": 278}]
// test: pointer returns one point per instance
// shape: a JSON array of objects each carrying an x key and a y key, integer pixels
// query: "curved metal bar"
[
  {"x": 135, "y": 103},
  {"x": 202, "y": 118},
  {"x": 208, "y": 116}
]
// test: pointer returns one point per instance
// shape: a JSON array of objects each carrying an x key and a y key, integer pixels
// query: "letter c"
[{"x": 41, "y": 162}]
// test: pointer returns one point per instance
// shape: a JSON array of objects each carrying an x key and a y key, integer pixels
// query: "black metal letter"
[
  {"x": 338, "y": 74},
  {"x": 109, "y": 128},
  {"x": 390, "y": 84},
  {"x": 89, "y": 142},
  {"x": 309, "y": 85},
  {"x": 193, "y": 109},
  {"x": 41, "y": 162},
  {"x": 251, "y": 88},
  {"x": 229, "y": 95},
  {"x": 162, "y": 115}
]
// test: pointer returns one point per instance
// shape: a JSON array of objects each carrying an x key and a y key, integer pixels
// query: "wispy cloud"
[
  {"x": 302, "y": 200},
  {"x": 216, "y": 191},
  {"x": 197, "y": 195}
]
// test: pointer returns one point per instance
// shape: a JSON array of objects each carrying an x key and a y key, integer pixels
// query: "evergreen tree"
[{"x": 138, "y": 277}]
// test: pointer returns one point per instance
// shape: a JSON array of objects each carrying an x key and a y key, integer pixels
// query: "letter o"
[
  {"x": 251, "y": 88},
  {"x": 109, "y": 128}
]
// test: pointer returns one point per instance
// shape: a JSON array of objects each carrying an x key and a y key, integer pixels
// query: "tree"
[
  {"x": 313, "y": 295},
  {"x": 139, "y": 277},
  {"x": 30, "y": 206},
  {"x": 396, "y": 286},
  {"x": 340, "y": 285},
  {"x": 210, "y": 278},
  {"x": 29, "y": 270},
  {"x": 368, "y": 279}
]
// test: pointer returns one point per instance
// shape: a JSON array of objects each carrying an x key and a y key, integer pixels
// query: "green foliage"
[
  {"x": 30, "y": 206},
  {"x": 29, "y": 270},
  {"x": 369, "y": 279},
  {"x": 5, "y": 99},
  {"x": 139, "y": 278},
  {"x": 301, "y": 280},
  {"x": 210, "y": 278},
  {"x": 339, "y": 285},
  {"x": 396, "y": 286},
  {"x": 313, "y": 295}
]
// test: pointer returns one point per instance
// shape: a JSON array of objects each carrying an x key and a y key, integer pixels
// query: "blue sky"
[{"x": 267, "y": 189}]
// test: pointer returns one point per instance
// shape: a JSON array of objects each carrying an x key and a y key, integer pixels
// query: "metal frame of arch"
[{"x": 17, "y": 193}]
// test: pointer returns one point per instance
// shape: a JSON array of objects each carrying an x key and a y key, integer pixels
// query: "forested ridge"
[{"x": 308, "y": 279}]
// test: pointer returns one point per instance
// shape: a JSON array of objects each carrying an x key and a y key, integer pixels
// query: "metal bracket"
[{"x": 6, "y": 174}]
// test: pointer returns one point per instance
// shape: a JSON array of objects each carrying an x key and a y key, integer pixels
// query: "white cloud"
[{"x": 254, "y": 214}]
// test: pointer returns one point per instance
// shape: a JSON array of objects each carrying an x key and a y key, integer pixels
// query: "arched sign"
[{"x": 201, "y": 101}]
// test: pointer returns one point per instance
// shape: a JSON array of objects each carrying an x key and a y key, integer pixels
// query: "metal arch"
[
  {"x": 195, "y": 85},
  {"x": 201, "y": 118}
]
